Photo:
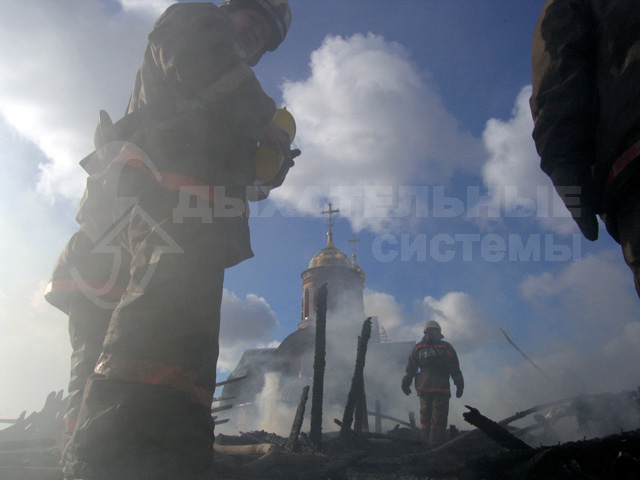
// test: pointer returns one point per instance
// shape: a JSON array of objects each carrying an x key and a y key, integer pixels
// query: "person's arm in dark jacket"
[
  {"x": 410, "y": 372},
  {"x": 564, "y": 105},
  {"x": 453, "y": 365}
]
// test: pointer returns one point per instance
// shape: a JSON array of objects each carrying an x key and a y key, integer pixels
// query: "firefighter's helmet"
[
  {"x": 277, "y": 12},
  {"x": 431, "y": 324}
]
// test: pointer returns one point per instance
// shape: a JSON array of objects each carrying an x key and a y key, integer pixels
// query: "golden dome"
[
  {"x": 357, "y": 268},
  {"x": 330, "y": 256}
]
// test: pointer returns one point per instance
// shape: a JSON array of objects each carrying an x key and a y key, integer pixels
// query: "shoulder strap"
[{"x": 107, "y": 131}]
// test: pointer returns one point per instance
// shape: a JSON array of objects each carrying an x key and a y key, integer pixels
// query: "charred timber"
[
  {"x": 361, "y": 420},
  {"x": 356, "y": 393},
  {"x": 319, "y": 363},
  {"x": 550, "y": 434},
  {"x": 393, "y": 419},
  {"x": 529, "y": 411},
  {"x": 230, "y": 380},
  {"x": 611, "y": 457},
  {"x": 494, "y": 431},
  {"x": 221, "y": 408},
  {"x": 470, "y": 435},
  {"x": 358, "y": 437},
  {"x": 297, "y": 421}
]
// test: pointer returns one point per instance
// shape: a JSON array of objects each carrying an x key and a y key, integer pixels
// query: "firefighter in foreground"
[
  {"x": 586, "y": 109},
  {"x": 436, "y": 361},
  {"x": 167, "y": 192}
]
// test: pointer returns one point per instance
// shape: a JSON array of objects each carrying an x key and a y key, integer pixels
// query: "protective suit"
[
  {"x": 585, "y": 105},
  {"x": 167, "y": 199},
  {"x": 431, "y": 362}
]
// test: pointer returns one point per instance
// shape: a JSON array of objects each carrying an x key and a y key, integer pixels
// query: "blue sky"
[{"x": 398, "y": 103}]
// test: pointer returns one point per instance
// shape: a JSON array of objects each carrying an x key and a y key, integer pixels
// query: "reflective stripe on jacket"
[
  {"x": 194, "y": 112},
  {"x": 436, "y": 362},
  {"x": 153, "y": 373}
]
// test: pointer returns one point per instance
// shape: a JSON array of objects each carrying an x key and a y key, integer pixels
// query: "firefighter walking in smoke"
[
  {"x": 436, "y": 361},
  {"x": 168, "y": 186},
  {"x": 586, "y": 109}
]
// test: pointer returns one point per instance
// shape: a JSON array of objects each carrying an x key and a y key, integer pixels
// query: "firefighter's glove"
[
  {"x": 459, "y": 391},
  {"x": 287, "y": 163},
  {"x": 577, "y": 189},
  {"x": 406, "y": 385}
]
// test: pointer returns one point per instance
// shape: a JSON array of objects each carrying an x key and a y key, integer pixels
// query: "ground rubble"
[
  {"x": 611, "y": 457},
  {"x": 30, "y": 448}
]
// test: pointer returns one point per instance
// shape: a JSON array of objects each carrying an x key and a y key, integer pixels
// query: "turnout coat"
[
  {"x": 432, "y": 363},
  {"x": 585, "y": 100},
  {"x": 189, "y": 129}
]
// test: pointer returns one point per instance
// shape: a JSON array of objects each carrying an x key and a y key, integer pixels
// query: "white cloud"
[
  {"x": 385, "y": 307},
  {"x": 399, "y": 324},
  {"x": 77, "y": 58},
  {"x": 37, "y": 301},
  {"x": 155, "y": 7},
  {"x": 367, "y": 116},
  {"x": 514, "y": 168},
  {"x": 246, "y": 323},
  {"x": 34, "y": 345},
  {"x": 462, "y": 323}
]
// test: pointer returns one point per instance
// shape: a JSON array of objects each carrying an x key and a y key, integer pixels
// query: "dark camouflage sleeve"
[{"x": 563, "y": 101}]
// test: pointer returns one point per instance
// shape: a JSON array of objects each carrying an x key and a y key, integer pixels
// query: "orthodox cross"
[
  {"x": 354, "y": 240},
  {"x": 330, "y": 212}
]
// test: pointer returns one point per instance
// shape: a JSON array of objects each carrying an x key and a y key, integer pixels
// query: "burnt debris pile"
[
  {"x": 581, "y": 437},
  {"x": 30, "y": 447}
]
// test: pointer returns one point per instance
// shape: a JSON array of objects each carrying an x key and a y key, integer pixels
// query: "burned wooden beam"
[
  {"x": 550, "y": 434},
  {"x": 529, "y": 411},
  {"x": 494, "y": 431},
  {"x": 222, "y": 399},
  {"x": 412, "y": 420},
  {"x": 361, "y": 420},
  {"x": 14, "y": 420},
  {"x": 221, "y": 408},
  {"x": 8, "y": 445},
  {"x": 610, "y": 457},
  {"x": 469, "y": 435},
  {"x": 230, "y": 380},
  {"x": 394, "y": 419},
  {"x": 350, "y": 433},
  {"x": 297, "y": 421},
  {"x": 253, "y": 449},
  {"x": 319, "y": 363},
  {"x": 356, "y": 393}
]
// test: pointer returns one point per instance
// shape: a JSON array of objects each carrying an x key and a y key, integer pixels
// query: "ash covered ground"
[{"x": 30, "y": 447}]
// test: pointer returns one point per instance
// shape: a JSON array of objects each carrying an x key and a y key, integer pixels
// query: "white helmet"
[{"x": 431, "y": 324}]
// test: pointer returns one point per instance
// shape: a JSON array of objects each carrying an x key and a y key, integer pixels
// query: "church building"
[{"x": 275, "y": 377}]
